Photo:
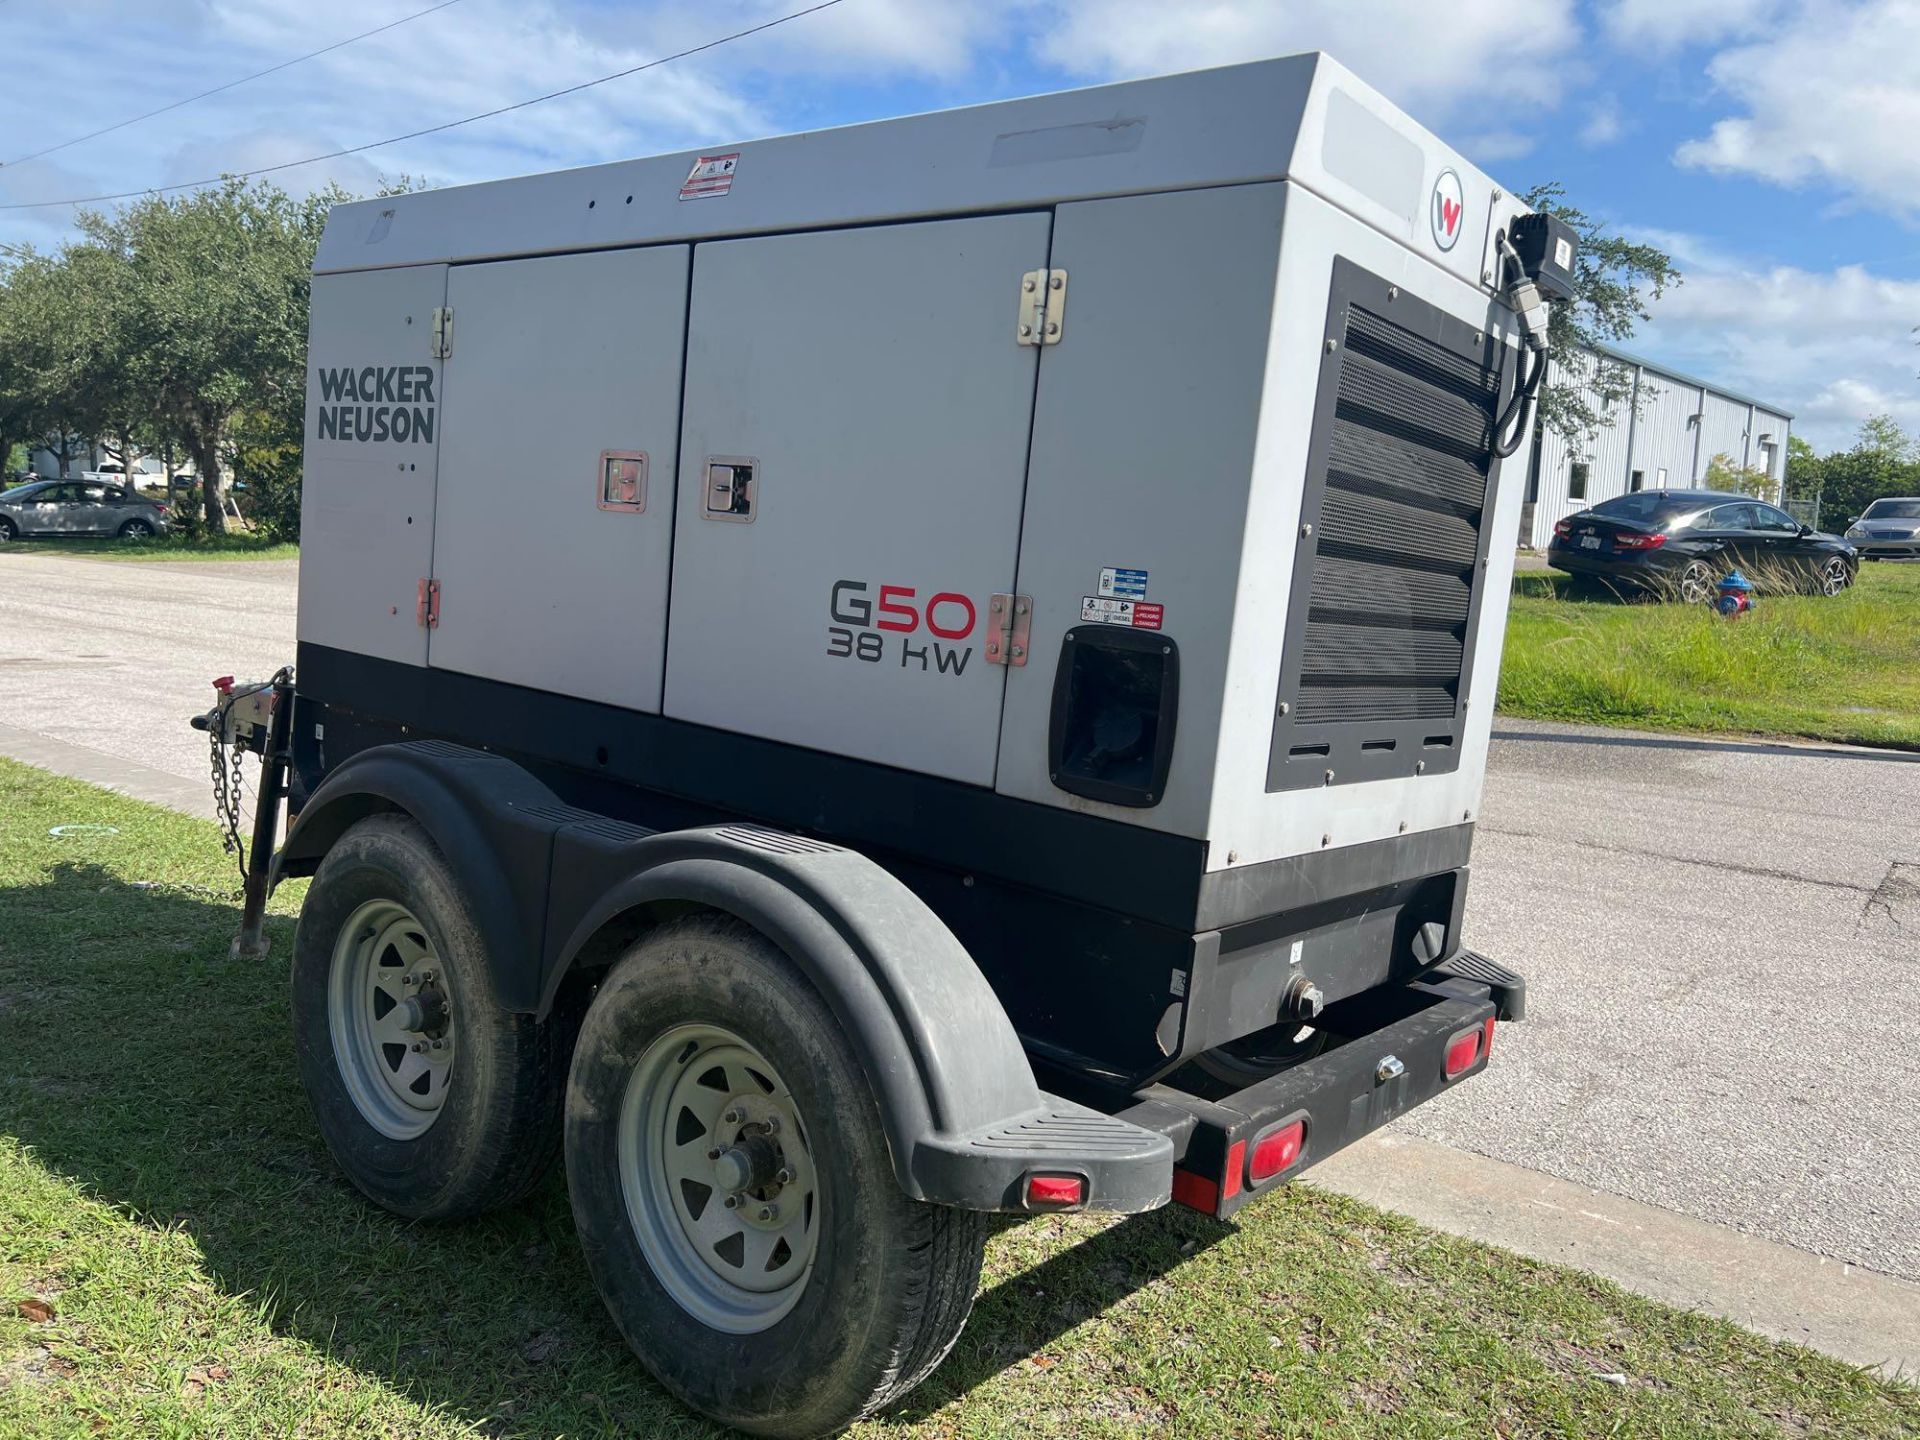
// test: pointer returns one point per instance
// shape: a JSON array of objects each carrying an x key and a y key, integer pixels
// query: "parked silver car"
[
  {"x": 78, "y": 507},
  {"x": 1888, "y": 529}
]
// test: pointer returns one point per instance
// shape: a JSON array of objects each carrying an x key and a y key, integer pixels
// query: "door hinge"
[
  {"x": 1009, "y": 625},
  {"x": 1043, "y": 307},
  {"x": 442, "y": 331},
  {"x": 426, "y": 605}
]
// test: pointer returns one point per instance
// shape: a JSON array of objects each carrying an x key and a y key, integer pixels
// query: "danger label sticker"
[
  {"x": 1107, "y": 610},
  {"x": 711, "y": 175},
  {"x": 1125, "y": 584}
]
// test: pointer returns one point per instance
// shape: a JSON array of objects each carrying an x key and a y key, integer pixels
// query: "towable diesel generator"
[{"x": 861, "y": 680}]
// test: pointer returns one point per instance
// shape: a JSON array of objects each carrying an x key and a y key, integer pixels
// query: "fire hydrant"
[{"x": 1736, "y": 595}]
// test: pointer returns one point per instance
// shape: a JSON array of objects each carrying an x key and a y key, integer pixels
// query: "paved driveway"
[
  {"x": 1722, "y": 939},
  {"x": 1722, "y": 946}
]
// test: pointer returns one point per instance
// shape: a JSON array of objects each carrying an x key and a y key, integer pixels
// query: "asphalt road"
[{"x": 1721, "y": 939}]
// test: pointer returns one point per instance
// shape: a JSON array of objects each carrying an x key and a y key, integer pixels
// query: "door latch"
[
  {"x": 732, "y": 488},
  {"x": 1043, "y": 307}
]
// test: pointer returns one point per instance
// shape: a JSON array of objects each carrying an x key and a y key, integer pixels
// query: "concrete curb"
[
  {"x": 111, "y": 772},
  {"x": 1828, "y": 1305}
]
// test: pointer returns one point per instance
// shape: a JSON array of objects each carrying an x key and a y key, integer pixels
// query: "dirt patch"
[{"x": 1893, "y": 910}]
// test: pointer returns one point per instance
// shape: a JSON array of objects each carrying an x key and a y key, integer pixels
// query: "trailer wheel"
[
  {"x": 735, "y": 1197},
  {"x": 434, "y": 1101},
  {"x": 1251, "y": 1059}
]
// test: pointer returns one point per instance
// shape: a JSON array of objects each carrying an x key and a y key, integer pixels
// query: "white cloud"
[
  {"x": 1831, "y": 95},
  {"x": 1603, "y": 124},
  {"x": 1661, "y": 25},
  {"x": 1832, "y": 346},
  {"x": 1433, "y": 59}
]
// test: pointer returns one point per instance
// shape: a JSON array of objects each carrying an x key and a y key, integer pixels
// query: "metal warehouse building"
[{"x": 1664, "y": 435}]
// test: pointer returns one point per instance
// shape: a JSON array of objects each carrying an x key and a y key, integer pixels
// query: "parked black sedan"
[{"x": 1681, "y": 542}]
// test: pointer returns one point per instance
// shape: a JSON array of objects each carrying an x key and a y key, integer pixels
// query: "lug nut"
[
  {"x": 785, "y": 1177},
  {"x": 713, "y": 1153},
  {"x": 767, "y": 1212},
  {"x": 731, "y": 1201},
  {"x": 419, "y": 1047}
]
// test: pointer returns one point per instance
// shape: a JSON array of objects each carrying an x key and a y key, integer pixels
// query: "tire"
[
  {"x": 1833, "y": 577},
  {"x": 1696, "y": 584},
  {"x": 486, "y": 1127},
  {"x": 1251, "y": 1059},
  {"x": 136, "y": 530},
  {"x": 882, "y": 1284},
  {"x": 8, "y": 530}
]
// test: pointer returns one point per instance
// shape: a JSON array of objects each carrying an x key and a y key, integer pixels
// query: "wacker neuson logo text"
[{"x": 390, "y": 402}]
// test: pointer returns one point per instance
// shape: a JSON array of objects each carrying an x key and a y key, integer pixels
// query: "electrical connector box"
[{"x": 1548, "y": 248}]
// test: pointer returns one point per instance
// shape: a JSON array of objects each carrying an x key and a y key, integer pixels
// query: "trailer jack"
[{"x": 257, "y": 718}]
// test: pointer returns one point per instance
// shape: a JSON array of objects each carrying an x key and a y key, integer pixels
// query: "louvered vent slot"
[
  {"x": 1390, "y": 581},
  {"x": 1399, "y": 531}
]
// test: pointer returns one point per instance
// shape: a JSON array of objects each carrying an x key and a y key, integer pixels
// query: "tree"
[
  {"x": 1884, "y": 460},
  {"x": 58, "y": 380},
  {"x": 1615, "y": 279},
  {"x": 208, "y": 301},
  {"x": 1805, "y": 470},
  {"x": 1725, "y": 473}
]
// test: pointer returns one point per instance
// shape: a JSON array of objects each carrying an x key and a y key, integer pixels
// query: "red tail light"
[
  {"x": 1563, "y": 528},
  {"x": 1463, "y": 1050},
  {"x": 159, "y": 505},
  {"x": 1639, "y": 542},
  {"x": 1276, "y": 1151},
  {"x": 1056, "y": 1192}
]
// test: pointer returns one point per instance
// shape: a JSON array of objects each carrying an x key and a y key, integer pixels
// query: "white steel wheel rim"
[
  {"x": 705, "y": 1120},
  {"x": 390, "y": 1017},
  {"x": 1833, "y": 579}
]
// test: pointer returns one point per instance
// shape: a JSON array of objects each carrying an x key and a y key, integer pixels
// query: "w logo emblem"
[{"x": 1447, "y": 209}]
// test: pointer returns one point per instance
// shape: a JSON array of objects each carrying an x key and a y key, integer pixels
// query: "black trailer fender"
[
  {"x": 964, "y": 1118},
  {"x": 569, "y": 889},
  {"x": 492, "y": 820}
]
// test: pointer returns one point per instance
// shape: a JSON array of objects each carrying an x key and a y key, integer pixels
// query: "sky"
[{"x": 1771, "y": 146}]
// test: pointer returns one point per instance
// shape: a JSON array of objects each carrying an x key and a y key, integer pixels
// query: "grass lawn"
[
  {"x": 163, "y": 1192},
  {"x": 161, "y": 547},
  {"x": 1845, "y": 669}
]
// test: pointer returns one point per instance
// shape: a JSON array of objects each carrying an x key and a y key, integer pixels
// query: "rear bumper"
[
  {"x": 1628, "y": 567},
  {"x": 1389, "y": 1055}
]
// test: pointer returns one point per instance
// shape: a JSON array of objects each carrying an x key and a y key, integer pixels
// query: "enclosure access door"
[
  {"x": 853, "y": 456},
  {"x": 366, "y": 504},
  {"x": 555, "y": 516}
]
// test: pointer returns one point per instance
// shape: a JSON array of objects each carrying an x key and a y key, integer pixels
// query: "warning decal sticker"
[
  {"x": 711, "y": 175},
  {"x": 1126, "y": 584},
  {"x": 1106, "y": 610}
]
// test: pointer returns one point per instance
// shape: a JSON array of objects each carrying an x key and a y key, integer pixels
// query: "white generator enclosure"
[{"x": 1127, "y": 452}]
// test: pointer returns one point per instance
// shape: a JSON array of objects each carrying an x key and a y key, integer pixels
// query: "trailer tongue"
[{"x": 952, "y": 676}]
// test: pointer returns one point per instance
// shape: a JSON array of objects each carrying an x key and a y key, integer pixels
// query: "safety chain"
[{"x": 227, "y": 792}]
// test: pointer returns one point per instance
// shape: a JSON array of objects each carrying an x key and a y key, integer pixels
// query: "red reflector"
[
  {"x": 1055, "y": 1192},
  {"x": 1276, "y": 1150},
  {"x": 1486, "y": 1042},
  {"x": 1195, "y": 1191},
  {"x": 1236, "y": 1162},
  {"x": 1462, "y": 1051}
]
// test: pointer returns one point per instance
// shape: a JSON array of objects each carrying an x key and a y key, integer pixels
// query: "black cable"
[
  {"x": 231, "y": 84},
  {"x": 1525, "y": 393},
  {"x": 431, "y": 129}
]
